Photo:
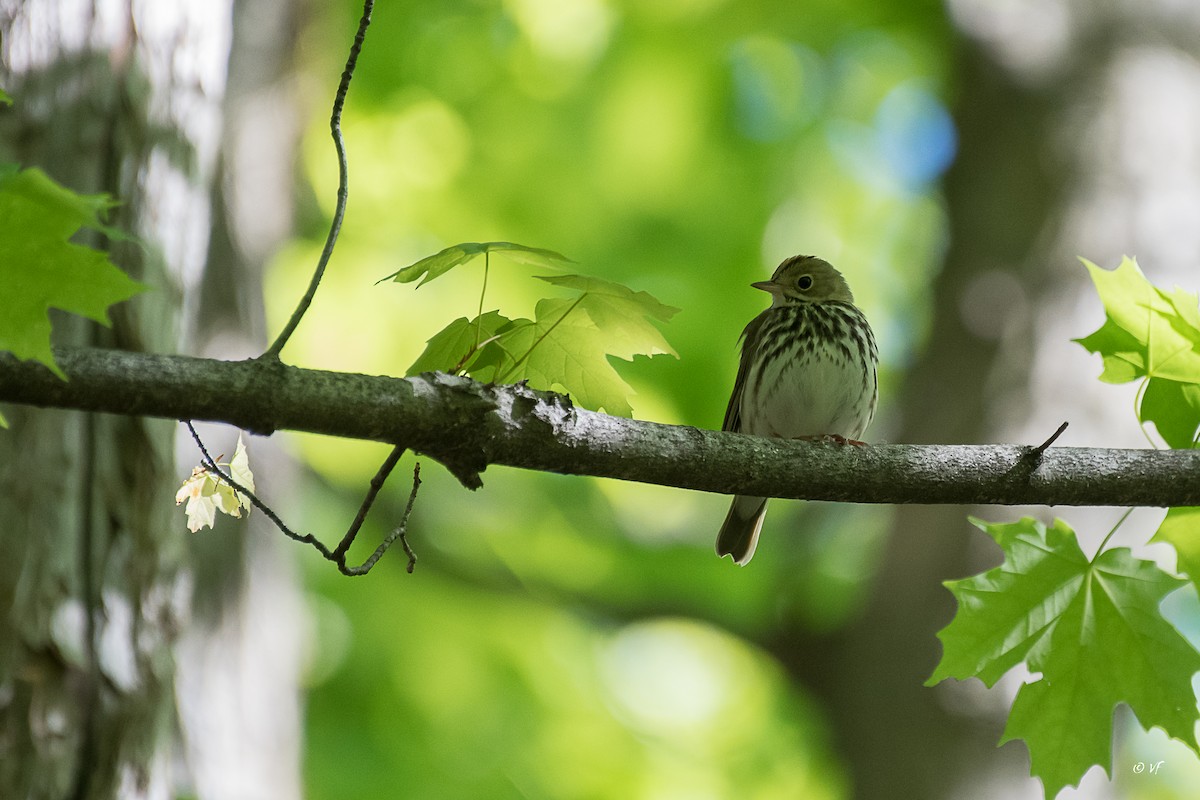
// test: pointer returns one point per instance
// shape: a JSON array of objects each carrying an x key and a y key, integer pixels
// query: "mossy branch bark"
[{"x": 468, "y": 426}]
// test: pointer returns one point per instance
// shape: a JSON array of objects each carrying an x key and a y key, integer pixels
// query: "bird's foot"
[{"x": 832, "y": 438}]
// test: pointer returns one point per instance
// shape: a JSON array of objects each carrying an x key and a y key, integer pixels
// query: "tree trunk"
[
  {"x": 124, "y": 98},
  {"x": 1078, "y": 141},
  {"x": 240, "y": 660},
  {"x": 900, "y": 738}
]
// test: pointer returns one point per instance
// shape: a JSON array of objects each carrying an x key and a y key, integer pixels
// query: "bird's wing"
[{"x": 749, "y": 340}]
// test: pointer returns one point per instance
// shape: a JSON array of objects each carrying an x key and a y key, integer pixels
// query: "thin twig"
[
  {"x": 1036, "y": 452},
  {"x": 412, "y": 498},
  {"x": 381, "y": 475},
  {"x": 211, "y": 465},
  {"x": 335, "y": 128},
  {"x": 338, "y": 555},
  {"x": 399, "y": 532}
]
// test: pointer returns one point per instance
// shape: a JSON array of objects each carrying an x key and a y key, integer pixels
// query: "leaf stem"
[
  {"x": 1104, "y": 543},
  {"x": 479, "y": 313},
  {"x": 1137, "y": 405}
]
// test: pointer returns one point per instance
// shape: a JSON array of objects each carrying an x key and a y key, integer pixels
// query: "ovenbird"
[{"x": 807, "y": 371}]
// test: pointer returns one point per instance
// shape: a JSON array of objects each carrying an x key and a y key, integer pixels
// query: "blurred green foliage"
[{"x": 566, "y": 637}]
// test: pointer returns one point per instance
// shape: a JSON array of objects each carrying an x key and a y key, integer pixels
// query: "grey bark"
[{"x": 468, "y": 426}]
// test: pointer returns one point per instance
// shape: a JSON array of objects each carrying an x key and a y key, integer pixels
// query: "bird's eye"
[{"x": 804, "y": 283}]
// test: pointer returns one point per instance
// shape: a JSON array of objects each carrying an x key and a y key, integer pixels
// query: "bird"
[{"x": 808, "y": 370}]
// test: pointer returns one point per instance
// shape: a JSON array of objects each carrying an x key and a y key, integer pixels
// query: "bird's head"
[{"x": 805, "y": 279}]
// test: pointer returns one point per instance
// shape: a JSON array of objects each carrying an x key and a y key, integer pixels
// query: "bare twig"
[
  {"x": 399, "y": 532},
  {"x": 1036, "y": 452},
  {"x": 335, "y": 226},
  {"x": 337, "y": 555},
  {"x": 381, "y": 475},
  {"x": 403, "y": 527}
]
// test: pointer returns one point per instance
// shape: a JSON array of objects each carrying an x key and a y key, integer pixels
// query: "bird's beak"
[{"x": 768, "y": 286}]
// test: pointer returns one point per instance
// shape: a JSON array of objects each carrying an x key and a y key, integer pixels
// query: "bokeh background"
[{"x": 576, "y": 638}]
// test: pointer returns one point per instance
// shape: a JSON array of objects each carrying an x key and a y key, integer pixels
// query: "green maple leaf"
[
  {"x": 623, "y": 314},
  {"x": 561, "y": 349},
  {"x": 1093, "y": 630},
  {"x": 1153, "y": 335},
  {"x": 41, "y": 269},
  {"x": 442, "y": 262},
  {"x": 455, "y": 348},
  {"x": 567, "y": 344},
  {"x": 1147, "y": 332},
  {"x": 1174, "y": 408},
  {"x": 1181, "y": 529}
]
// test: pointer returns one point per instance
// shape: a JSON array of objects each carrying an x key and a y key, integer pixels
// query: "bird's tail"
[{"x": 739, "y": 534}]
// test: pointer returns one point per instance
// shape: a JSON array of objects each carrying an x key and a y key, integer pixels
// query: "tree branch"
[{"x": 468, "y": 426}]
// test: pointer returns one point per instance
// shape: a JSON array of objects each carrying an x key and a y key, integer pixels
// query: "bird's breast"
[{"x": 814, "y": 374}]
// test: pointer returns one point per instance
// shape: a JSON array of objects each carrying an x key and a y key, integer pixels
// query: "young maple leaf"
[
  {"x": 443, "y": 261},
  {"x": 206, "y": 493},
  {"x": 564, "y": 347},
  {"x": 1090, "y": 627},
  {"x": 1153, "y": 335},
  {"x": 1181, "y": 529},
  {"x": 560, "y": 349},
  {"x": 40, "y": 269},
  {"x": 455, "y": 348},
  {"x": 567, "y": 343}
]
